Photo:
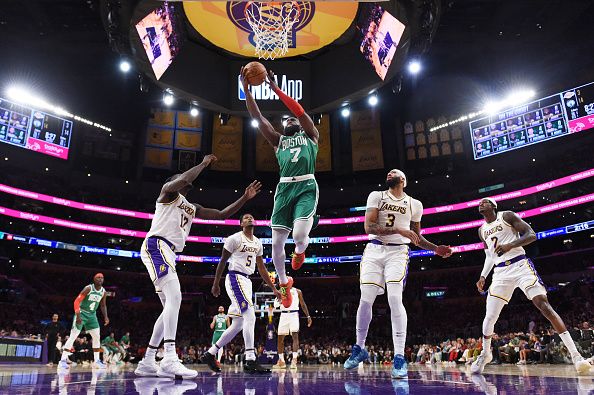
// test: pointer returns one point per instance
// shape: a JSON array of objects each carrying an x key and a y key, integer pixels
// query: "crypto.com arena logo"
[{"x": 236, "y": 13}]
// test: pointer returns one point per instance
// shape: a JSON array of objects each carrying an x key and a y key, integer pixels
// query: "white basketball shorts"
[
  {"x": 381, "y": 265},
  {"x": 239, "y": 289},
  {"x": 159, "y": 260},
  {"x": 288, "y": 323},
  {"x": 521, "y": 274}
]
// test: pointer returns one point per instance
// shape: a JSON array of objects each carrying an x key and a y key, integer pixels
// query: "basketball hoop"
[{"x": 271, "y": 24}]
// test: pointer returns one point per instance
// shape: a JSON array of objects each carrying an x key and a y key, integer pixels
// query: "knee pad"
[{"x": 369, "y": 293}]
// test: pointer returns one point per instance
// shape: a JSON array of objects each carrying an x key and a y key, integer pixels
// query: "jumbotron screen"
[
  {"x": 554, "y": 116},
  {"x": 35, "y": 130}
]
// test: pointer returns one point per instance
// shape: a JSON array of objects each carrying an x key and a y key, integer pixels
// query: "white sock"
[
  {"x": 170, "y": 349},
  {"x": 294, "y": 357},
  {"x": 568, "y": 341},
  {"x": 249, "y": 326},
  {"x": 220, "y": 354},
  {"x": 487, "y": 344},
  {"x": 96, "y": 355},
  {"x": 150, "y": 353},
  {"x": 279, "y": 237},
  {"x": 281, "y": 356},
  {"x": 364, "y": 315},
  {"x": 301, "y": 229}
]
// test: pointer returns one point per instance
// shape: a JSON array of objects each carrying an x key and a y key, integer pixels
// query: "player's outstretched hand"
[
  {"x": 244, "y": 80},
  {"x": 106, "y": 321},
  {"x": 208, "y": 159},
  {"x": 215, "y": 290},
  {"x": 480, "y": 284},
  {"x": 309, "y": 322},
  {"x": 409, "y": 234},
  {"x": 271, "y": 81},
  {"x": 253, "y": 189},
  {"x": 444, "y": 251}
]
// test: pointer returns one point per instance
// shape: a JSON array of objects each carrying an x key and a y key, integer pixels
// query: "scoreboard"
[
  {"x": 555, "y": 116},
  {"x": 20, "y": 350},
  {"x": 35, "y": 130}
]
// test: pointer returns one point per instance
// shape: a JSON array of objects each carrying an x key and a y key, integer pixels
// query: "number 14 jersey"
[
  {"x": 243, "y": 252},
  {"x": 394, "y": 213},
  {"x": 172, "y": 221}
]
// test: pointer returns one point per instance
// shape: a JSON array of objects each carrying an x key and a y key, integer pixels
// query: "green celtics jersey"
[
  {"x": 92, "y": 300},
  {"x": 220, "y": 323},
  {"x": 296, "y": 155}
]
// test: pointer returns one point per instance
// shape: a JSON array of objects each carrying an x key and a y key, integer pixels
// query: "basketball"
[{"x": 255, "y": 72}]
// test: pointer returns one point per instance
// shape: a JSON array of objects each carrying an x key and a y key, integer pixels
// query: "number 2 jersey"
[
  {"x": 243, "y": 252},
  {"x": 394, "y": 213},
  {"x": 172, "y": 221},
  {"x": 500, "y": 232}
]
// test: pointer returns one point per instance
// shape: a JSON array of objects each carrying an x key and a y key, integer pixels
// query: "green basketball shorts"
[{"x": 294, "y": 200}]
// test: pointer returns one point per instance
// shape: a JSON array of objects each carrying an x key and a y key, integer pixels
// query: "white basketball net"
[{"x": 271, "y": 23}]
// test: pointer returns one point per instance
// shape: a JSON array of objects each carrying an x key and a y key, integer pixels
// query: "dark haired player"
[
  {"x": 296, "y": 197},
  {"x": 243, "y": 251},
  {"x": 504, "y": 234},
  {"x": 169, "y": 231}
]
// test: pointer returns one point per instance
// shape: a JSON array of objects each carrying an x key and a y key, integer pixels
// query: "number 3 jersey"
[
  {"x": 172, "y": 221},
  {"x": 243, "y": 252},
  {"x": 394, "y": 213},
  {"x": 500, "y": 232}
]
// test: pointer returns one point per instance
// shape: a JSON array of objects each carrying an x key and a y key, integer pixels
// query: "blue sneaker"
[
  {"x": 358, "y": 355},
  {"x": 400, "y": 369}
]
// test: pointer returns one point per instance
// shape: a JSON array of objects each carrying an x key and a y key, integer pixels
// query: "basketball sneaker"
[
  {"x": 285, "y": 290},
  {"x": 98, "y": 364},
  {"x": 294, "y": 363},
  {"x": 400, "y": 367},
  {"x": 358, "y": 355},
  {"x": 211, "y": 361},
  {"x": 280, "y": 365},
  {"x": 581, "y": 365},
  {"x": 483, "y": 359},
  {"x": 172, "y": 368},
  {"x": 147, "y": 368},
  {"x": 63, "y": 365},
  {"x": 401, "y": 387},
  {"x": 297, "y": 260},
  {"x": 254, "y": 367}
]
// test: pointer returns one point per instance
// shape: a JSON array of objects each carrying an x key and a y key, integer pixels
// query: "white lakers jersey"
[
  {"x": 243, "y": 252},
  {"x": 500, "y": 232},
  {"x": 172, "y": 221},
  {"x": 394, "y": 213},
  {"x": 294, "y": 303}
]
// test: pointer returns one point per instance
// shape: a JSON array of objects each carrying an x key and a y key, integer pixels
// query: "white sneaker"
[
  {"x": 478, "y": 366},
  {"x": 147, "y": 368},
  {"x": 172, "y": 368},
  {"x": 521, "y": 363},
  {"x": 581, "y": 364}
]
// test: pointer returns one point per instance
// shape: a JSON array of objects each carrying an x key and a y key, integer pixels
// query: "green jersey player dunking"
[{"x": 296, "y": 197}]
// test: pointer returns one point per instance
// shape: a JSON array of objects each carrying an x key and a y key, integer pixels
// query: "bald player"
[{"x": 85, "y": 316}]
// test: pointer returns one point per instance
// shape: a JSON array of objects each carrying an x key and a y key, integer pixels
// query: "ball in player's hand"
[{"x": 255, "y": 73}]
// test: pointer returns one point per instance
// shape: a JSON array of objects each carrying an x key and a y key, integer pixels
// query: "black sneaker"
[
  {"x": 210, "y": 360},
  {"x": 254, "y": 367}
]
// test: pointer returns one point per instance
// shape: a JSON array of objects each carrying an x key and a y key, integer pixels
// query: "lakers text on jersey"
[{"x": 394, "y": 213}]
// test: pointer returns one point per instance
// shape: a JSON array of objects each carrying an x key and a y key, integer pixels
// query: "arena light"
[
  {"x": 24, "y": 96},
  {"x": 168, "y": 99},
  {"x": 462, "y": 118},
  {"x": 414, "y": 67},
  {"x": 194, "y": 112},
  {"x": 125, "y": 66},
  {"x": 254, "y": 124},
  {"x": 345, "y": 112},
  {"x": 372, "y": 100}
]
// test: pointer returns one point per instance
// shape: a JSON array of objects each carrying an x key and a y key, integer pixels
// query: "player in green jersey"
[
  {"x": 85, "y": 316},
  {"x": 296, "y": 197},
  {"x": 219, "y": 323}
]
